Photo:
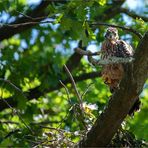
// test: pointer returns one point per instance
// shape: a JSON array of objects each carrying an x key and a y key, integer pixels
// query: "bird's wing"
[{"x": 123, "y": 49}]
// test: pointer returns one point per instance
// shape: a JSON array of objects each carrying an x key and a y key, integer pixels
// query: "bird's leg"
[
  {"x": 107, "y": 79},
  {"x": 114, "y": 85}
]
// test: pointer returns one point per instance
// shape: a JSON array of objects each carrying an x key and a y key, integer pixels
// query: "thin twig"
[
  {"x": 133, "y": 14},
  {"x": 75, "y": 87},
  {"x": 14, "y": 110},
  {"x": 88, "y": 53},
  {"x": 31, "y": 18},
  {"x": 14, "y": 86},
  {"x": 18, "y": 114},
  {"x": 117, "y": 26},
  {"x": 82, "y": 112},
  {"x": 8, "y": 122},
  {"x": 66, "y": 89},
  {"x": 44, "y": 122},
  {"x": 86, "y": 90},
  {"x": 11, "y": 133},
  {"x": 68, "y": 96},
  {"x": 64, "y": 119},
  {"x": 52, "y": 128},
  {"x": 91, "y": 24},
  {"x": 26, "y": 23},
  {"x": 42, "y": 143}
]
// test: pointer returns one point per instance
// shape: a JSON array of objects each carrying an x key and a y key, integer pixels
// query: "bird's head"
[{"x": 111, "y": 34}]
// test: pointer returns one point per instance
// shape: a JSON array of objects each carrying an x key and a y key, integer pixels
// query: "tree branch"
[
  {"x": 110, "y": 60},
  {"x": 39, "y": 12},
  {"x": 75, "y": 58},
  {"x": 112, "y": 11},
  {"x": 121, "y": 101},
  {"x": 74, "y": 86},
  {"x": 129, "y": 29},
  {"x": 133, "y": 14},
  {"x": 79, "y": 98},
  {"x": 36, "y": 92},
  {"x": 87, "y": 53}
]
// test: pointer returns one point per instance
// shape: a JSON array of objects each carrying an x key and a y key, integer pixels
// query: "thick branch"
[
  {"x": 129, "y": 29},
  {"x": 110, "y": 60},
  {"x": 133, "y": 14},
  {"x": 75, "y": 58},
  {"x": 36, "y": 92},
  {"x": 39, "y": 12},
  {"x": 112, "y": 11},
  {"x": 121, "y": 101}
]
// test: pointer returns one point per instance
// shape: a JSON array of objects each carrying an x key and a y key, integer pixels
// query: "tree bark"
[{"x": 121, "y": 101}]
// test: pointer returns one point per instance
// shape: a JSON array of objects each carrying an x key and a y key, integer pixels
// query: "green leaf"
[
  {"x": 58, "y": 18},
  {"x": 101, "y": 2},
  {"x": 66, "y": 23},
  {"x": 91, "y": 34}
]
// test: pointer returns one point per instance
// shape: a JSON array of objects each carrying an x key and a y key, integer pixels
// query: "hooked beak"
[{"x": 109, "y": 36}]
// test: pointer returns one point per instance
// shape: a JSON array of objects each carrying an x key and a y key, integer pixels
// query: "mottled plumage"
[{"x": 113, "y": 47}]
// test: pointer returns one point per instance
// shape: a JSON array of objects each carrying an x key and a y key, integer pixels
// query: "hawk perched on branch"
[{"x": 113, "y": 73}]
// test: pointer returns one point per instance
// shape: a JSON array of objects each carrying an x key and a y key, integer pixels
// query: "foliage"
[{"x": 32, "y": 61}]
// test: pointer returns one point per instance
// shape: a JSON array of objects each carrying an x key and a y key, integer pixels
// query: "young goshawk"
[{"x": 113, "y": 73}]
